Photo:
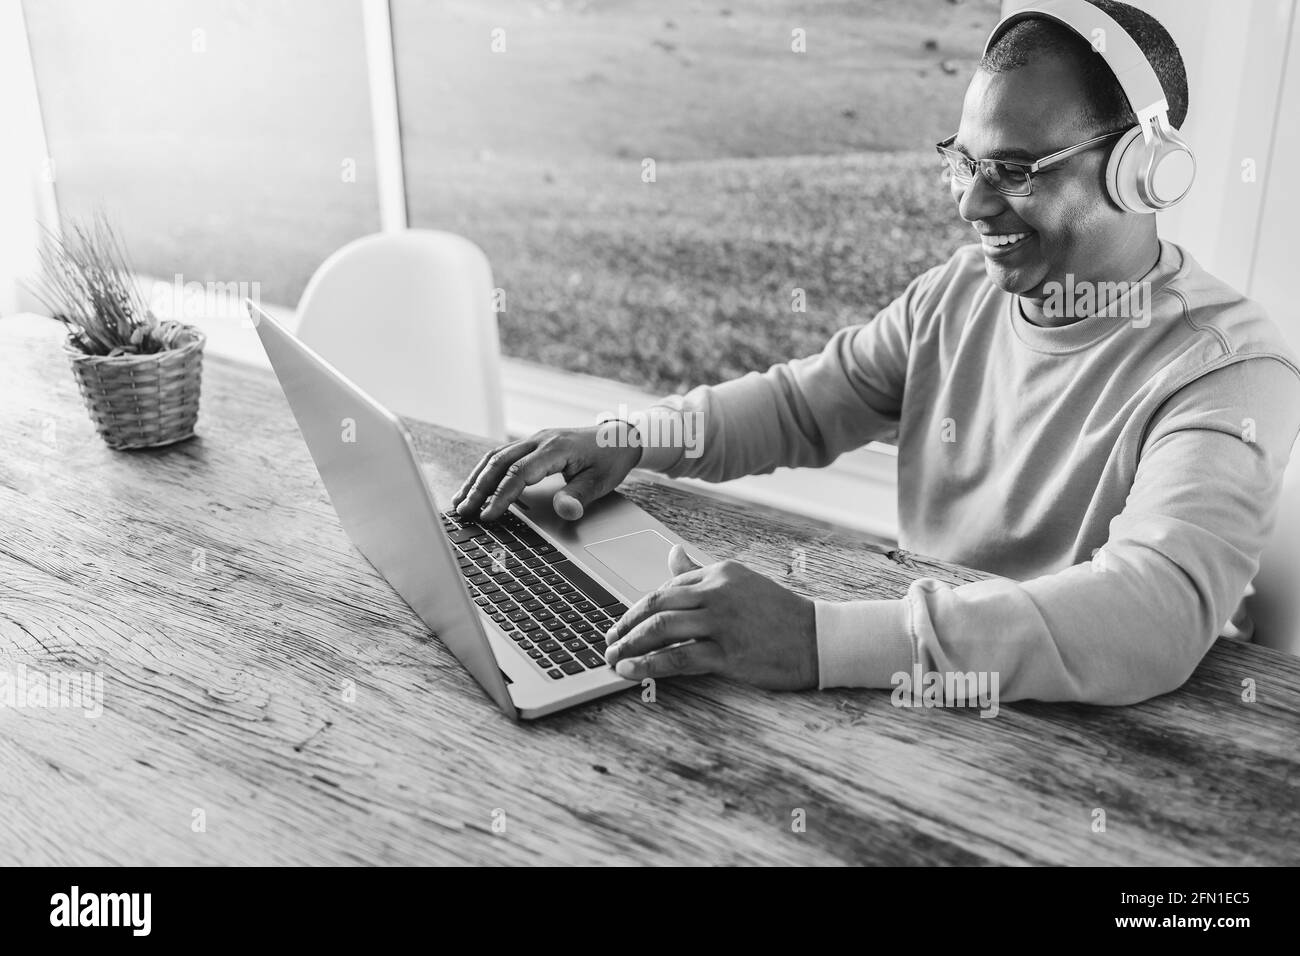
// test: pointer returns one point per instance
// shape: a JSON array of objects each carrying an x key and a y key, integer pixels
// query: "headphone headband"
[{"x": 1125, "y": 58}]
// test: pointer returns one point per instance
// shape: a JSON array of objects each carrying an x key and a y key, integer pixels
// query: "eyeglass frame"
[{"x": 1029, "y": 169}]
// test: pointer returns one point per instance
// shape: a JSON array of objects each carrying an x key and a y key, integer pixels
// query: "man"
[{"x": 1120, "y": 474}]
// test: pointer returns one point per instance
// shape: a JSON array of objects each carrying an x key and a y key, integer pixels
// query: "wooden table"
[{"x": 268, "y": 700}]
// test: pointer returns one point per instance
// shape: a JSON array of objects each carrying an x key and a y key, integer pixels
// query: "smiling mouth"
[{"x": 1005, "y": 242}]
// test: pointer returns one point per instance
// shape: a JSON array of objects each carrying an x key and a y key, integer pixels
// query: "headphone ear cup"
[
  {"x": 1173, "y": 173},
  {"x": 1124, "y": 170}
]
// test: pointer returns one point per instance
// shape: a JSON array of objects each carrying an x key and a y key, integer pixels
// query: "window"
[
  {"x": 675, "y": 192},
  {"x": 230, "y": 140}
]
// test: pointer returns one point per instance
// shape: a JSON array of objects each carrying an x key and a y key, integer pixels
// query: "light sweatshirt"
[{"x": 1119, "y": 475}]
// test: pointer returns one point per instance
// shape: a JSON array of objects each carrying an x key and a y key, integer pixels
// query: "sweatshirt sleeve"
[
  {"x": 1135, "y": 621},
  {"x": 801, "y": 413}
]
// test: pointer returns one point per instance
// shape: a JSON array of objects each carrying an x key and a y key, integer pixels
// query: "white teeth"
[{"x": 1004, "y": 240}]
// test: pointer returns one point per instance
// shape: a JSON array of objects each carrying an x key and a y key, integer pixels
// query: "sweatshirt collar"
[{"x": 1120, "y": 313}]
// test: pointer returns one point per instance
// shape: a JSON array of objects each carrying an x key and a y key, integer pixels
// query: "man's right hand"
[{"x": 594, "y": 460}]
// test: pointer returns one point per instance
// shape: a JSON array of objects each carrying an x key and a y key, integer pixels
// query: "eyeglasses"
[{"x": 1008, "y": 178}]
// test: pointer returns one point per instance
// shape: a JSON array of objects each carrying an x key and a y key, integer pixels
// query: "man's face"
[{"x": 1073, "y": 227}]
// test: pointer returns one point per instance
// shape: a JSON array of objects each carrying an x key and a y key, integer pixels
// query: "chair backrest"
[
  {"x": 1275, "y": 605},
  {"x": 408, "y": 316}
]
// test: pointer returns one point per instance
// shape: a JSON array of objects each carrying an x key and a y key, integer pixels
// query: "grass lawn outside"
[
  {"x": 691, "y": 279},
  {"x": 775, "y": 170}
]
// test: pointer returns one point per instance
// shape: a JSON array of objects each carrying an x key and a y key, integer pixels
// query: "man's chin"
[{"x": 1018, "y": 280}]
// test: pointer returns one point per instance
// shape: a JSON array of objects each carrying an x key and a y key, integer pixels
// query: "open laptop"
[{"x": 524, "y": 601}]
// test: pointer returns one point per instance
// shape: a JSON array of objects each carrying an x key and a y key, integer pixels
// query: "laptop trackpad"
[{"x": 640, "y": 558}]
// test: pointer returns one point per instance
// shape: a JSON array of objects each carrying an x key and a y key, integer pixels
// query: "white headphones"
[{"x": 1151, "y": 167}]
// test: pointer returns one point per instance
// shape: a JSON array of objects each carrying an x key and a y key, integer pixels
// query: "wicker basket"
[{"x": 143, "y": 401}]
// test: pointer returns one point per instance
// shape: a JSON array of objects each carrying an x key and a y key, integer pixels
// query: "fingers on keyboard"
[
  {"x": 487, "y": 476},
  {"x": 528, "y": 470}
]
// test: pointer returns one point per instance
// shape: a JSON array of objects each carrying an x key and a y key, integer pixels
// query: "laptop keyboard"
[{"x": 550, "y": 607}]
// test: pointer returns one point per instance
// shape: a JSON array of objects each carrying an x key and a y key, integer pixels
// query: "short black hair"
[{"x": 1108, "y": 108}]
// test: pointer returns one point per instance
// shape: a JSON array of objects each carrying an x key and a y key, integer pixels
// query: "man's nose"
[{"x": 980, "y": 201}]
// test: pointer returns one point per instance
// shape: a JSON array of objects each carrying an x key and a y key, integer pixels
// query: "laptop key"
[
  {"x": 596, "y": 640},
  {"x": 575, "y": 645},
  {"x": 561, "y": 657},
  {"x": 570, "y": 617},
  {"x": 616, "y": 610},
  {"x": 553, "y": 624},
  {"x": 465, "y": 534},
  {"x": 533, "y": 562},
  {"x": 586, "y": 584},
  {"x": 571, "y": 667},
  {"x": 526, "y": 534},
  {"x": 555, "y": 674},
  {"x": 534, "y": 653},
  {"x": 591, "y": 659},
  {"x": 549, "y": 646},
  {"x": 581, "y": 627},
  {"x": 551, "y": 598},
  {"x": 584, "y": 606},
  {"x": 528, "y": 626}
]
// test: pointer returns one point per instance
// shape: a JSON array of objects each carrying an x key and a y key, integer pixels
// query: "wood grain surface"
[{"x": 267, "y": 699}]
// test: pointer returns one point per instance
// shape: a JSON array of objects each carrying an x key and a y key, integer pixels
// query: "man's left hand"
[{"x": 720, "y": 619}]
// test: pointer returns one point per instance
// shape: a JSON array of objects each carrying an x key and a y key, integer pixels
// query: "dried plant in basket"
[
  {"x": 139, "y": 377},
  {"x": 86, "y": 283}
]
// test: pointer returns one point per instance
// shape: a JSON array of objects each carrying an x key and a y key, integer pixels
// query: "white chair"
[
  {"x": 1275, "y": 605},
  {"x": 408, "y": 316}
]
